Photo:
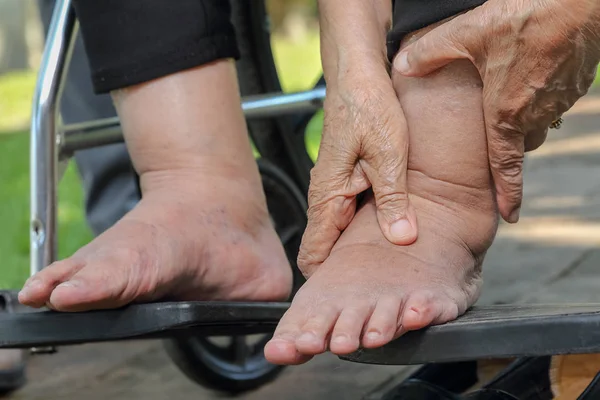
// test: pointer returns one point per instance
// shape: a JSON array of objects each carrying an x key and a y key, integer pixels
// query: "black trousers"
[{"x": 133, "y": 41}]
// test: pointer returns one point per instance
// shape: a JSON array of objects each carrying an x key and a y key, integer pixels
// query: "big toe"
[
  {"x": 283, "y": 352},
  {"x": 94, "y": 287},
  {"x": 294, "y": 325},
  {"x": 37, "y": 290}
]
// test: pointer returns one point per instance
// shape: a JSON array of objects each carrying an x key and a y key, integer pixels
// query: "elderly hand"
[
  {"x": 365, "y": 144},
  {"x": 536, "y": 59},
  {"x": 365, "y": 135}
]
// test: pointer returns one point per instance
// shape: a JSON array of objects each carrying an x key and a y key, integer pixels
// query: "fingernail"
[
  {"x": 373, "y": 335},
  {"x": 401, "y": 62},
  {"x": 401, "y": 229},
  {"x": 514, "y": 216}
]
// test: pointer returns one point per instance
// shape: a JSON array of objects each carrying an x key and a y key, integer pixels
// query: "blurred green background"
[{"x": 296, "y": 50}]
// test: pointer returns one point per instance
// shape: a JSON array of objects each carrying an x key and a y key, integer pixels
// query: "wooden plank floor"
[{"x": 552, "y": 255}]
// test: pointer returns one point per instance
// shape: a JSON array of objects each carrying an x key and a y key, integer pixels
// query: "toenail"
[
  {"x": 307, "y": 337},
  {"x": 25, "y": 292},
  {"x": 68, "y": 284},
  {"x": 29, "y": 287},
  {"x": 281, "y": 344},
  {"x": 373, "y": 335},
  {"x": 31, "y": 283},
  {"x": 341, "y": 339}
]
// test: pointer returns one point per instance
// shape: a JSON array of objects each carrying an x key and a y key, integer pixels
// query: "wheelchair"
[{"x": 219, "y": 345}]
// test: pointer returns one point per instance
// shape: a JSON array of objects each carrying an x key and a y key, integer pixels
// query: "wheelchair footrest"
[
  {"x": 494, "y": 332},
  {"x": 483, "y": 332},
  {"x": 23, "y": 328}
]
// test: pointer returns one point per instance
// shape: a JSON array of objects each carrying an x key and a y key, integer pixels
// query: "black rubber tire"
[{"x": 217, "y": 368}]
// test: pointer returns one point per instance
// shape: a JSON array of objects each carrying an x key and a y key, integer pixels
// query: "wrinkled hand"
[
  {"x": 365, "y": 144},
  {"x": 536, "y": 59}
]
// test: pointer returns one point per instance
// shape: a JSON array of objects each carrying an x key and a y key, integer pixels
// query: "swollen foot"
[
  {"x": 196, "y": 235},
  {"x": 202, "y": 230},
  {"x": 370, "y": 291}
]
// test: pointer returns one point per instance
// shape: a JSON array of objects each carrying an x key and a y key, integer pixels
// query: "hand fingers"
[
  {"x": 437, "y": 48},
  {"x": 331, "y": 208},
  {"x": 506, "y": 148},
  {"x": 396, "y": 216},
  {"x": 535, "y": 139},
  {"x": 385, "y": 163},
  {"x": 325, "y": 225}
]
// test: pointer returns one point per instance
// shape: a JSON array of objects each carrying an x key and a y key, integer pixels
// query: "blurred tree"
[
  {"x": 13, "y": 41},
  {"x": 288, "y": 16}
]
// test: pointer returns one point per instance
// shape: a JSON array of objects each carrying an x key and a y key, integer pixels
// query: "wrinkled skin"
[
  {"x": 365, "y": 135},
  {"x": 365, "y": 143},
  {"x": 536, "y": 59}
]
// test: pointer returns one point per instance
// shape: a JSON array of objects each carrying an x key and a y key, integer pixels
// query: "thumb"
[
  {"x": 395, "y": 214},
  {"x": 387, "y": 171},
  {"x": 437, "y": 48}
]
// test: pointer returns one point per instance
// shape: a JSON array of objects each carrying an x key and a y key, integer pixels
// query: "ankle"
[{"x": 200, "y": 176}]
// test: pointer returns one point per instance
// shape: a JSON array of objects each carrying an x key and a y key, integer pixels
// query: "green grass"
[
  {"x": 16, "y": 89},
  {"x": 14, "y": 213}
]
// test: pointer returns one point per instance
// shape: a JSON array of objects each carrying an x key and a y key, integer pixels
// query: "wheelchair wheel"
[{"x": 236, "y": 364}]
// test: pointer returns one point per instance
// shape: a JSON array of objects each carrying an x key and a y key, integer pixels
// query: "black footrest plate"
[
  {"x": 47, "y": 328},
  {"x": 483, "y": 332},
  {"x": 496, "y": 331}
]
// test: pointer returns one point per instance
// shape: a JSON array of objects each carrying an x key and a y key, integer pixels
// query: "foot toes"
[
  {"x": 94, "y": 287},
  {"x": 281, "y": 349},
  {"x": 450, "y": 312},
  {"x": 283, "y": 352},
  {"x": 313, "y": 335},
  {"x": 37, "y": 289},
  {"x": 384, "y": 324},
  {"x": 345, "y": 337},
  {"x": 421, "y": 310}
]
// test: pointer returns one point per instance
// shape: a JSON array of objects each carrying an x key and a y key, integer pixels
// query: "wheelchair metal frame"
[{"x": 52, "y": 141}]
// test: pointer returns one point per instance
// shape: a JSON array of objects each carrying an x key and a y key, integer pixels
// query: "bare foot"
[
  {"x": 201, "y": 231},
  {"x": 370, "y": 291},
  {"x": 171, "y": 245}
]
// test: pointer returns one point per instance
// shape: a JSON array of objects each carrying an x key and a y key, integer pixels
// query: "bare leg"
[
  {"x": 369, "y": 291},
  {"x": 201, "y": 230}
]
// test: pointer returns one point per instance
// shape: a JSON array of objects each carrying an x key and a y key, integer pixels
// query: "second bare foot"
[
  {"x": 210, "y": 240},
  {"x": 202, "y": 230}
]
